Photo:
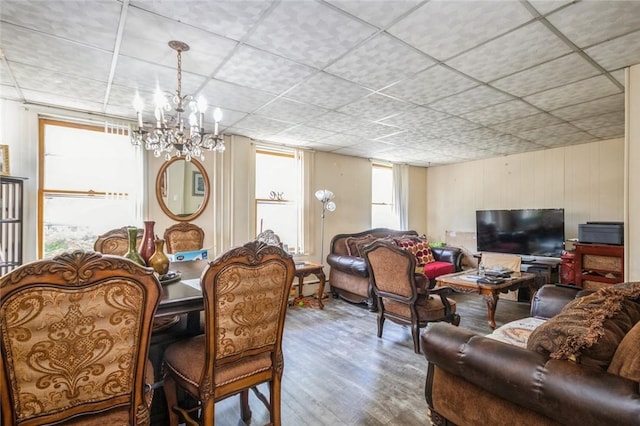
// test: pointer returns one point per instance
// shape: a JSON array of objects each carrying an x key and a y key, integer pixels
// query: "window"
[
  {"x": 382, "y": 215},
  {"x": 90, "y": 179},
  {"x": 279, "y": 195}
]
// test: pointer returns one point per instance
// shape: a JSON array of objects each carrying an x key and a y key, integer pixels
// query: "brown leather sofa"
[
  {"x": 474, "y": 380},
  {"x": 348, "y": 275}
]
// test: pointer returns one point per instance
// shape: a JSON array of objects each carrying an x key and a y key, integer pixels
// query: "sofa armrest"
[
  {"x": 348, "y": 264},
  {"x": 449, "y": 254},
  {"x": 551, "y": 298},
  {"x": 558, "y": 389}
]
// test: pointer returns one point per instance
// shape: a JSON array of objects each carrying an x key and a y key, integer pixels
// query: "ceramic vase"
[
  {"x": 147, "y": 246},
  {"x": 133, "y": 254},
  {"x": 158, "y": 260}
]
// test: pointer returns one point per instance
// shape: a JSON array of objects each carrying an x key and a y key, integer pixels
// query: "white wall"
[
  {"x": 586, "y": 180},
  {"x": 632, "y": 169}
]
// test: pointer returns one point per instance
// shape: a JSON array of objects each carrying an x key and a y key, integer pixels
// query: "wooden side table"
[{"x": 304, "y": 269}]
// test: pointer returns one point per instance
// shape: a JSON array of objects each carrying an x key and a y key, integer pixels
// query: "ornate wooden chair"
[
  {"x": 116, "y": 241},
  {"x": 269, "y": 237},
  {"x": 400, "y": 298},
  {"x": 183, "y": 237},
  {"x": 245, "y": 292},
  {"x": 75, "y": 340}
]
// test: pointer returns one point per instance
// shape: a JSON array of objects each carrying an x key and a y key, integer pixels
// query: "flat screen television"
[{"x": 530, "y": 232}]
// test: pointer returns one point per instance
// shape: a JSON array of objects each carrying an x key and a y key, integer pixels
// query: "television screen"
[{"x": 531, "y": 232}]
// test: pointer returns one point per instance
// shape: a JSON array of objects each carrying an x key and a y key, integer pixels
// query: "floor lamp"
[{"x": 324, "y": 196}]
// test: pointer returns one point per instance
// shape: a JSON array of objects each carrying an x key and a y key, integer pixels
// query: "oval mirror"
[{"x": 182, "y": 189}]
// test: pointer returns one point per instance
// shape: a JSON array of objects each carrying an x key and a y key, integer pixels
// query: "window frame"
[{"x": 388, "y": 167}]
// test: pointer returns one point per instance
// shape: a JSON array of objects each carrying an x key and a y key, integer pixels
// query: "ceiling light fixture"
[{"x": 171, "y": 135}]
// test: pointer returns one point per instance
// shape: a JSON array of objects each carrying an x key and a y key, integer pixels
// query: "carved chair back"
[
  {"x": 116, "y": 241},
  {"x": 183, "y": 237},
  {"x": 75, "y": 339}
]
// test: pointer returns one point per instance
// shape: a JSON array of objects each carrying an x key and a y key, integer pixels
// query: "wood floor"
[{"x": 337, "y": 371}]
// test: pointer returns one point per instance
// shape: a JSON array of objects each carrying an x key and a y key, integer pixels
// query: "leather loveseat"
[
  {"x": 476, "y": 380},
  {"x": 348, "y": 275}
]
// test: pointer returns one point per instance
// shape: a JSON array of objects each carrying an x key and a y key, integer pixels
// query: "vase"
[
  {"x": 158, "y": 260},
  {"x": 133, "y": 254},
  {"x": 147, "y": 246}
]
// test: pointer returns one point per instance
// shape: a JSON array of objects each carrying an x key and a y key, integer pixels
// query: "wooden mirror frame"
[{"x": 161, "y": 188}]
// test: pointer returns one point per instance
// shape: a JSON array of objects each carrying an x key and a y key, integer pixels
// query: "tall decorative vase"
[
  {"x": 132, "y": 254},
  {"x": 159, "y": 261},
  {"x": 147, "y": 246}
]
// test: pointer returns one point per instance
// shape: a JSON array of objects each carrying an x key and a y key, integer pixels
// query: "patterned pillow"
[
  {"x": 589, "y": 329},
  {"x": 419, "y": 247},
  {"x": 354, "y": 243}
]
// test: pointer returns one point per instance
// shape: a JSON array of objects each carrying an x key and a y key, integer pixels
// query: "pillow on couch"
[
  {"x": 589, "y": 329},
  {"x": 626, "y": 360},
  {"x": 418, "y": 246},
  {"x": 353, "y": 242}
]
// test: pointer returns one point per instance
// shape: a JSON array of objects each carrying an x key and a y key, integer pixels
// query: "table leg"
[
  {"x": 321, "y": 277},
  {"x": 300, "y": 281},
  {"x": 491, "y": 301}
]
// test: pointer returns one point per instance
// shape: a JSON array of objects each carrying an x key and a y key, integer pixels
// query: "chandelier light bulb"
[
  {"x": 331, "y": 206},
  {"x": 202, "y": 104},
  {"x": 138, "y": 104}
]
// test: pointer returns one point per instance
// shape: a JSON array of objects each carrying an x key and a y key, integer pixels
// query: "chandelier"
[{"x": 172, "y": 135}]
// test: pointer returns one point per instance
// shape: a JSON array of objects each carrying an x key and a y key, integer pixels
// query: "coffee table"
[{"x": 460, "y": 283}]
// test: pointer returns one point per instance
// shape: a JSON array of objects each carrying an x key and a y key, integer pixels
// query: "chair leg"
[
  {"x": 415, "y": 333},
  {"x": 275, "y": 401},
  {"x": 456, "y": 320},
  {"x": 380, "y": 321},
  {"x": 171, "y": 396},
  {"x": 245, "y": 410}
]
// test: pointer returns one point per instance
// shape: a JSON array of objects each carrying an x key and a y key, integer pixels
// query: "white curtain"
[{"x": 401, "y": 194}]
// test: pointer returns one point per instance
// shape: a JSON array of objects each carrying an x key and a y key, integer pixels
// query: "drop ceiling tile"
[
  {"x": 36, "y": 97},
  {"x": 619, "y": 76},
  {"x": 431, "y": 85},
  {"x": 287, "y": 141},
  {"x": 231, "y": 19},
  {"x": 379, "y": 62},
  {"x": 617, "y": 53},
  {"x": 502, "y": 112},
  {"x": 9, "y": 92},
  {"x": 526, "y": 123},
  {"x": 557, "y": 72},
  {"x": 374, "y": 130},
  {"x": 591, "y": 108},
  {"x": 570, "y": 139},
  {"x": 573, "y": 93},
  {"x": 445, "y": 28},
  {"x": 34, "y": 78},
  {"x": 227, "y": 95},
  {"x": 470, "y": 100},
  {"x": 449, "y": 126},
  {"x": 32, "y": 48},
  {"x": 408, "y": 138},
  {"x": 341, "y": 140},
  {"x": 261, "y": 70},
  {"x": 305, "y": 133},
  {"x": 591, "y": 22},
  {"x": 604, "y": 120},
  {"x": 251, "y": 134},
  {"x": 70, "y": 19},
  {"x": 291, "y": 111},
  {"x": 415, "y": 118},
  {"x": 525, "y": 47},
  {"x": 542, "y": 133},
  {"x": 146, "y": 36},
  {"x": 375, "y": 107},
  {"x": 546, "y": 6},
  {"x": 308, "y": 32},
  {"x": 516, "y": 148},
  {"x": 379, "y": 14},
  {"x": 335, "y": 121},
  {"x": 371, "y": 148},
  {"x": 231, "y": 117},
  {"x": 608, "y": 132},
  {"x": 262, "y": 124},
  {"x": 140, "y": 75},
  {"x": 327, "y": 91},
  {"x": 476, "y": 135}
]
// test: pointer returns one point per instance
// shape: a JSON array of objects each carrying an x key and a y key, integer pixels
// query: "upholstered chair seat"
[{"x": 183, "y": 237}]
